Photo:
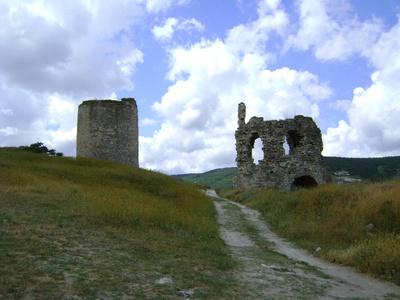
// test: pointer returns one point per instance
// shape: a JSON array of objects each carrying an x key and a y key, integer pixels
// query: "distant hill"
[
  {"x": 374, "y": 169},
  {"x": 214, "y": 178},
  {"x": 378, "y": 168}
]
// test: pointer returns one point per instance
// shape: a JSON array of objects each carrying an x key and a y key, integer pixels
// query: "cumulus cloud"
[
  {"x": 200, "y": 112},
  {"x": 165, "y": 33},
  {"x": 155, "y": 6},
  {"x": 332, "y": 31},
  {"x": 373, "y": 125},
  {"x": 252, "y": 37},
  {"x": 209, "y": 79},
  {"x": 54, "y": 55},
  {"x": 372, "y": 128},
  {"x": 68, "y": 48}
]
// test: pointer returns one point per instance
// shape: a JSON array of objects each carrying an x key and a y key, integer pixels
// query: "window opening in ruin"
[
  {"x": 286, "y": 147},
  {"x": 293, "y": 139},
  {"x": 304, "y": 182},
  {"x": 257, "y": 152}
]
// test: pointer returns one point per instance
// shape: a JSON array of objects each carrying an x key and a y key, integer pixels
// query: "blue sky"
[{"x": 188, "y": 63}]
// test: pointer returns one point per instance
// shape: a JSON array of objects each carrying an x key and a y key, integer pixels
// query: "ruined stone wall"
[
  {"x": 108, "y": 129},
  {"x": 303, "y": 166}
]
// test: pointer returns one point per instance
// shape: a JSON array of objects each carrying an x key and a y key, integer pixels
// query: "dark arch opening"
[
  {"x": 304, "y": 182},
  {"x": 293, "y": 139}
]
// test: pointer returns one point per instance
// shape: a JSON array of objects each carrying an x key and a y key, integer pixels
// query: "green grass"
[
  {"x": 218, "y": 178},
  {"x": 334, "y": 217},
  {"x": 375, "y": 169},
  {"x": 73, "y": 228}
]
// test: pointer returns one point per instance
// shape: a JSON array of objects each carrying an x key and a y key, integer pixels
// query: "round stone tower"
[{"x": 108, "y": 129}]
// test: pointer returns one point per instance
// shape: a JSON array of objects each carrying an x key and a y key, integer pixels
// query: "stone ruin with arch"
[{"x": 302, "y": 166}]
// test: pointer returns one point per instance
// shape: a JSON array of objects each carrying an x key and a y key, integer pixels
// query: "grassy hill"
[
  {"x": 216, "y": 178},
  {"x": 377, "y": 168},
  {"x": 91, "y": 229},
  {"x": 374, "y": 169},
  {"x": 357, "y": 225}
]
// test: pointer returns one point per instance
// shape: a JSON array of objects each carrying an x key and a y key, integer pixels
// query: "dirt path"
[{"x": 271, "y": 268}]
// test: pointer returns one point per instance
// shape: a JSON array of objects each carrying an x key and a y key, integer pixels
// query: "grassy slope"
[
  {"x": 367, "y": 168},
  {"x": 221, "y": 178},
  {"x": 334, "y": 217},
  {"x": 90, "y": 229}
]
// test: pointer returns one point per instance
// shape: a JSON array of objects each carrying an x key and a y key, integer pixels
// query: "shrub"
[{"x": 40, "y": 148}]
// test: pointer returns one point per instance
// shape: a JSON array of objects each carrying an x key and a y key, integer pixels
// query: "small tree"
[{"x": 40, "y": 148}]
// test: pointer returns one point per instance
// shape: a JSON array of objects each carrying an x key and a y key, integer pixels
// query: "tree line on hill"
[
  {"x": 41, "y": 149},
  {"x": 373, "y": 169}
]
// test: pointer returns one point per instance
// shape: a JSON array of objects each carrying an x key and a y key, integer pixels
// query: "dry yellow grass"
[
  {"x": 109, "y": 193},
  {"x": 378, "y": 254},
  {"x": 334, "y": 217},
  {"x": 81, "y": 228}
]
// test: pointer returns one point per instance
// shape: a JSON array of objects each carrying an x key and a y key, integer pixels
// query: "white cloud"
[
  {"x": 373, "y": 127},
  {"x": 8, "y": 131},
  {"x": 128, "y": 63},
  {"x": 334, "y": 32},
  {"x": 209, "y": 79},
  {"x": 54, "y": 55},
  {"x": 73, "y": 48},
  {"x": 252, "y": 37},
  {"x": 155, "y": 6},
  {"x": 190, "y": 25},
  {"x": 212, "y": 76},
  {"x": 148, "y": 122},
  {"x": 331, "y": 31},
  {"x": 342, "y": 141},
  {"x": 166, "y": 32}
]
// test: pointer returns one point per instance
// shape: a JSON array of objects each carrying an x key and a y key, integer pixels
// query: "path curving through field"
[{"x": 272, "y": 268}]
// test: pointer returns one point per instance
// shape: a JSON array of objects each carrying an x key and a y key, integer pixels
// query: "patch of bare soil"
[{"x": 272, "y": 268}]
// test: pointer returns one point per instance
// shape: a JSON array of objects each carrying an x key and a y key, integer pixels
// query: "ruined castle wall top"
[
  {"x": 279, "y": 169},
  {"x": 108, "y": 129}
]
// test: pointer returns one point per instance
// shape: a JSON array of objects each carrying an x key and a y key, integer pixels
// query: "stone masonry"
[
  {"x": 303, "y": 166},
  {"x": 108, "y": 129}
]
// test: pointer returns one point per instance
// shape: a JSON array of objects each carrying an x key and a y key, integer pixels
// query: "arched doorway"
[
  {"x": 256, "y": 150},
  {"x": 304, "y": 182}
]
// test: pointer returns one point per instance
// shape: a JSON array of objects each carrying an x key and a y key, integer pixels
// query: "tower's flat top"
[{"x": 109, "y": 101}]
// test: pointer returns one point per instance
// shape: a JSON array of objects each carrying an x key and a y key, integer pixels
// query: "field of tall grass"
[
  {"x": 109, "y": 193},
  {"x": 86, "y": 228},
  {"x": 335, "y": 218}
]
